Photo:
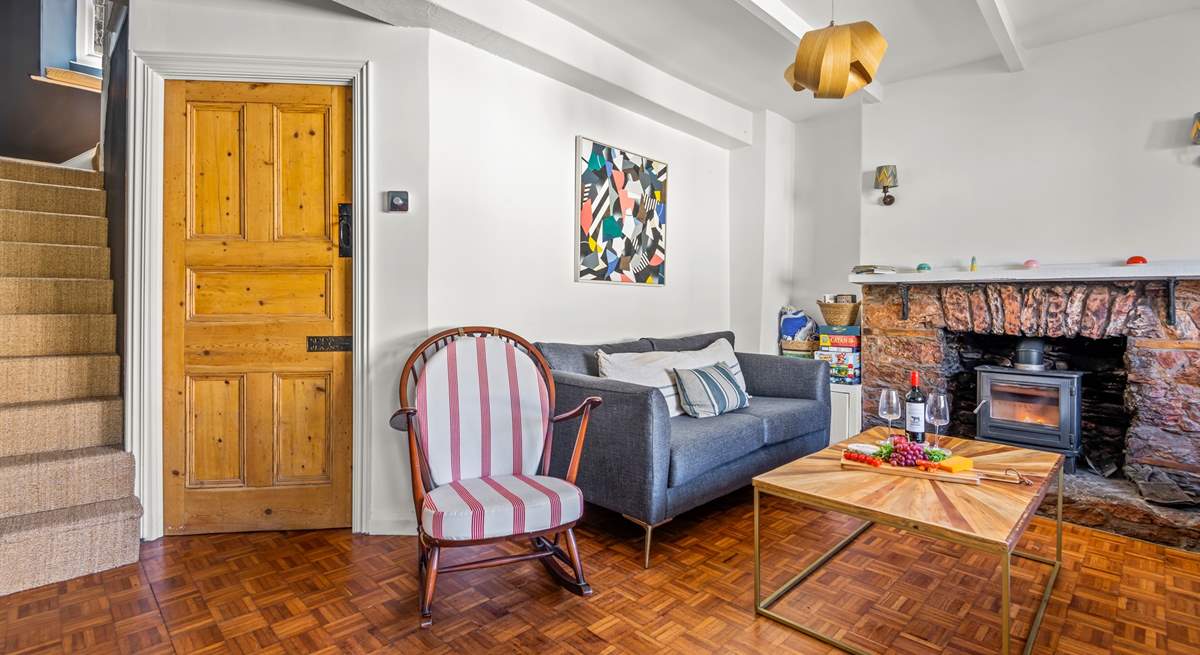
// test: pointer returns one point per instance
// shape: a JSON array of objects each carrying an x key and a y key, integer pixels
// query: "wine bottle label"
[{"x": 914, "y": 420}]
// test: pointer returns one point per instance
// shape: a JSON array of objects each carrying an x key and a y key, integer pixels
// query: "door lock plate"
[{"x": 330, "y": 344}]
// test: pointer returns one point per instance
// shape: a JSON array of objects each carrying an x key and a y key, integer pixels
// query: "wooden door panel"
[
  {"x": 303, "y": 152},
  {"x": 256, "y": 429},
  {"x": 216, "y": 170},
  {"x": 286, "y": 254},
  {"x": 303, "y": 422},
  {"x": 247, "y": 294},
  {"x": 215, "y": 431}
]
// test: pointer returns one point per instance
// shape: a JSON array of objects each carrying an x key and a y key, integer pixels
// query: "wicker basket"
[
  {"x": 799, "y": 346},
  {"x": 839, "y": 313}
]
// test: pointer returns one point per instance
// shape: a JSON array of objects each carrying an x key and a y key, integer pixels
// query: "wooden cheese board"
[{"x": 965, "y": 477}]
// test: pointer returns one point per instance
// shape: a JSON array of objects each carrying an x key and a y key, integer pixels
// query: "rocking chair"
[{"x": 477, "y": 405}]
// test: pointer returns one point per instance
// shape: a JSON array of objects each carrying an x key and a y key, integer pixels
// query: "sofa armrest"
[
  {"x": 785, "y": 377},
  {"x": 625, "y": 460}
]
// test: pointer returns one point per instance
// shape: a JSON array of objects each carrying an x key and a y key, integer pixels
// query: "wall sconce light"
[
  {"x": 885, "y": 178},
  {"x": 1196, "y": 129}
]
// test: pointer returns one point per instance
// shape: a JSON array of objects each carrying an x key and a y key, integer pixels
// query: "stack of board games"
[{"x": 841, "y": 346}]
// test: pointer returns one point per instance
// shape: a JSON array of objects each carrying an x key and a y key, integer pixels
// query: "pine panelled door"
[{"x": 256, "y": 429}]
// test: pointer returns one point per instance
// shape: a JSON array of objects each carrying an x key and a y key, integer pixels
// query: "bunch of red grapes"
[{"x": 905, "y": 452}]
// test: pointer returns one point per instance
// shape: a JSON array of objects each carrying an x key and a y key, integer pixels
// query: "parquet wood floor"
[{"x": 330, "y": 591}]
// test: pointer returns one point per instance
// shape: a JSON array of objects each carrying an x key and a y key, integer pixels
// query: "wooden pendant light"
[{"x": 838, "y": 60}]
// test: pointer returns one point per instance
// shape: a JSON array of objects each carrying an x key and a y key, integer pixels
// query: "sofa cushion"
[
  {"x": 787, "y": 418},
  {"x": 693, "y": 342},
  {"x": 709, "y": 390},
  {"x": 701, "y": 444},
  {"x": 576, "y": 358},
  {"x": 657, "y": 369}
]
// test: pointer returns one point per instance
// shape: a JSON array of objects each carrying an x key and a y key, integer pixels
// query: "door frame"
[{"x": 143, "y": 338}]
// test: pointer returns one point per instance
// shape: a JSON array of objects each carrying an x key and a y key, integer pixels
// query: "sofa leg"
[{"x": 649, "y": 529}]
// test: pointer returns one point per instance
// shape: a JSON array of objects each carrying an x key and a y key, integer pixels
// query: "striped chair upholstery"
[
  {"x": 483, "y": 413},
  {"x": 499, "y": 506}
]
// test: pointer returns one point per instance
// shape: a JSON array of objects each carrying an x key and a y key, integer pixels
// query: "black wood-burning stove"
[{"x": 1030, "y": 406}]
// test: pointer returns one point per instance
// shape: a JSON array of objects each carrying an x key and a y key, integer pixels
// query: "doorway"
[{"x": 257, "y": 307}]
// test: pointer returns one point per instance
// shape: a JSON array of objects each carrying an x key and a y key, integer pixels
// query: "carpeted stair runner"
[{"x": 66, "y": 483}]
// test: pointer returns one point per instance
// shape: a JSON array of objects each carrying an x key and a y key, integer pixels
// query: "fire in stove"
[{"x": 1030, "y": 406}]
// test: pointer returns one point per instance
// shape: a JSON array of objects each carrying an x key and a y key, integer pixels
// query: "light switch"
[{"x": 397, "y": 201}]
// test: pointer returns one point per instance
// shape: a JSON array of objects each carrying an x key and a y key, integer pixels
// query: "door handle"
[{"x": 345, "y": 230}]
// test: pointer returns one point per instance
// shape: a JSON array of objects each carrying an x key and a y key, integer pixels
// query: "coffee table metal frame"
[{"x": 762, "y": 605}]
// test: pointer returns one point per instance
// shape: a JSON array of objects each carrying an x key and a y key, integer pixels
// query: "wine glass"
[
  {"x": 889, "y": 407},
  {"x": 939, "y": 413}
]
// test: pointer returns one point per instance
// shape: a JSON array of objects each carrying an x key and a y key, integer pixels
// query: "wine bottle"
[{"x": 914, "y": 410}]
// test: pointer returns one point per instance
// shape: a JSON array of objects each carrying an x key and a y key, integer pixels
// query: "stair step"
[
  {"x": 47, "y": 295},
  {"x": 63, "y": 229},
  {"x": 42, "y": 172},
  {"x": 63, "y": 425},
  {"x": 26, "y": 335},
  {"x": 39, "y": 549},
  {"x": 67, "y": 377},
  {"x": 54, "y": 198},
  {"x": 47, "y": 481},
  {"x": 45, "y": 260}
]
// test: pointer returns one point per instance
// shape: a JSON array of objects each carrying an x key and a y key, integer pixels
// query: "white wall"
[
  {"x": 399, "y": 149},
  {"x": 779, "y": 221},
  {"x": 762, "y": 179},
  {"x": 486, "y": 149},
  {"x": 747, "y": 175},
  {"x": 828, "y": 205},
  {"x": 1082, "y": 157},
  {"x": 502, "y": 208}
]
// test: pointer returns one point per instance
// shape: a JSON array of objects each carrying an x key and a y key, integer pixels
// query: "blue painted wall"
[
  {"x": 37, "y": 120},
  {"x": 57, "y": 22}
]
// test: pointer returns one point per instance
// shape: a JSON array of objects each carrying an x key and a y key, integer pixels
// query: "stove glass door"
[{"x": 1025, "y": 403}]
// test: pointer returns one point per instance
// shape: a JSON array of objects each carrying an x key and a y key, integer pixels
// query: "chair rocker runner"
[{"x": 476, "y": 403}]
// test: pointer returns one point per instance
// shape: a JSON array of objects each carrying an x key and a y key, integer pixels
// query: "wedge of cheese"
[{"x": 956, "y": 464}]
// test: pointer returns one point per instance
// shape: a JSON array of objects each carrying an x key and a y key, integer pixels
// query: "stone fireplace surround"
[{"x": 1162, "y": 362}]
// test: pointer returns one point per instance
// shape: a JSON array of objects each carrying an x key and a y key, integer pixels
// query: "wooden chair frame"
[{"x": 545, "y": 543}]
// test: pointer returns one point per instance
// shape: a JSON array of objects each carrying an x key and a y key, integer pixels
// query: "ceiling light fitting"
[{"x": 836, "y": 61}]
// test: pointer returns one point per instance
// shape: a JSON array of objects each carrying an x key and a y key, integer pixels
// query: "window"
[{"x": 90, "y": 17}]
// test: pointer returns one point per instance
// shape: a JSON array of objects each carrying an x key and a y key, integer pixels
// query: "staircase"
[{"x": 66, "y": 483}]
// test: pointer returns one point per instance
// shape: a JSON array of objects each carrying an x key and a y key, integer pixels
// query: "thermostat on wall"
[{"x": 397, "y": 201}]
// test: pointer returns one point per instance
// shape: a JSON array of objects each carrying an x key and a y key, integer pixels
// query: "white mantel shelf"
[{"x": 1046, "y": 273}]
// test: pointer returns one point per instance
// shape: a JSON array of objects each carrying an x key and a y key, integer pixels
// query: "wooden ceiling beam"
[
  {"x": 995, "y": 14},
  {"x": 792, "y": 26}
]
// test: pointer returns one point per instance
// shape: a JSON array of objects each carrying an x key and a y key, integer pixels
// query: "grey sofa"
[{"x": 650, "y": 467}]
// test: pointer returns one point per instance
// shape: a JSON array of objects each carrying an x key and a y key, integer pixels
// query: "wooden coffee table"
[{"x": 990, "y": 517}]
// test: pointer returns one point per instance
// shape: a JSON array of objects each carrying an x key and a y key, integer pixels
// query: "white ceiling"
[{"x": 719, "y": 46}]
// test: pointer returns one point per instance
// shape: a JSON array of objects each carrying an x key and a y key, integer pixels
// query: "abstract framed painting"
[{"x": 621, "y": 216}]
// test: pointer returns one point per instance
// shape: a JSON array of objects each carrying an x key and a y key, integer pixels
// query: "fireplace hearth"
[{"x": 1137, "y": 375}]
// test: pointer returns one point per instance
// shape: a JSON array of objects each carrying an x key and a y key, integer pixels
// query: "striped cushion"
[
  {"x": 499, "y": 506},
  {"x": 482, "y": 410},
  {"x": 710, "y": 391}
]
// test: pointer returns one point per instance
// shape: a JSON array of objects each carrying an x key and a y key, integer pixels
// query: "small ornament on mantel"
[
  {"x": 1031, "y": 263},
  {"x": 924, "y": 268},
  {"x": 974, "y": 266},
  {"x": 1136, "y": 260}
]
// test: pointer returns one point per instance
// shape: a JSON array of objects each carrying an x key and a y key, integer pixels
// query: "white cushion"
[
  {"x": 654, "y": 369},
  {"x": 499, "y": 506}
]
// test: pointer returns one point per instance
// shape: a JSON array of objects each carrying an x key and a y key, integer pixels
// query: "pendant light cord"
[{"x": 831, "y": 3}]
